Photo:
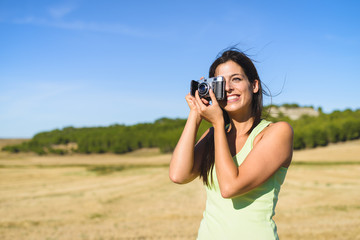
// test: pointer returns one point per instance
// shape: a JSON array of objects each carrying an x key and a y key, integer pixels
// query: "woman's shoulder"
[
  {"x": 282, "y": 125},
  {"x": 279, "y": 129},
  {"x": 275, "y": 130}
]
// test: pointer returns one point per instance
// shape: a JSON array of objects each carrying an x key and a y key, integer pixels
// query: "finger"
[
  {"x": 190, "y": 101},
  {"x": 189, "y": 96},
  {"x": 198, "y": 101},
  {"x": 213, "y": 97},
  {"x": 197, "y": 97},
  {"x": 205, "y": 101}
]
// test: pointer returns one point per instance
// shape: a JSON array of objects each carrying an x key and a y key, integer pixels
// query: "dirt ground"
[{"x": 131, "y": 197}]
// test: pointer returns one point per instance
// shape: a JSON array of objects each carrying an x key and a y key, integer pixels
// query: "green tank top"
[{"x": 248, "y": 216}]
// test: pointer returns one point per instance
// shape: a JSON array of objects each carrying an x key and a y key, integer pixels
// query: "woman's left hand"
[{"x": 210, "y": 112}]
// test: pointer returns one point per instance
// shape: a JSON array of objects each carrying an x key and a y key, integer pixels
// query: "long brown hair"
[{"x": 235, "y": 55}]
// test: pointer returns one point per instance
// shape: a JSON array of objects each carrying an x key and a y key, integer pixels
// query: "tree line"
[{"x": 164, "y": 133}]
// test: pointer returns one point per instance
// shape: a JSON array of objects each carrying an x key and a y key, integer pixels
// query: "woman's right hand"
[
  {"x": 191, "y": 101},
  {"x": 187, "y": 155}
]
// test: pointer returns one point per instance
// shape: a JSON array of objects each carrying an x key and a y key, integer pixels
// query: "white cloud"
[
  {"x": 115, "y": 28},
  {"x": 61, "y": 11}
]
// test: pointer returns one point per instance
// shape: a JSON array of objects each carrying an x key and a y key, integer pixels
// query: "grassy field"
[{"x": 131, "y": 197}]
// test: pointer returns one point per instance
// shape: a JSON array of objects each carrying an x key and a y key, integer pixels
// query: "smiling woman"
[{"x": 242, "y": 159}]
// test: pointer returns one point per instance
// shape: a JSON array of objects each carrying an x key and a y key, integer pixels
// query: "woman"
[{"x": 242, "y": 159}]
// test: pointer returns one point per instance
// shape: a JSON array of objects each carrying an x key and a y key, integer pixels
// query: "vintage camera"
[{"x": 217, "y": 84}]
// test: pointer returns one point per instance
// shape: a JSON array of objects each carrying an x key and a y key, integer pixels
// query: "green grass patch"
[
  {"x": 94, "y": 168},
  {"x": 97, "y": 216},
  {"x": 340, "y": 208},
  {"x": 104, "y": 170},
  {"x": 108, "y": 169},
  {"x": 323, "y": 163},
  {"x": 43, "y": 165}
]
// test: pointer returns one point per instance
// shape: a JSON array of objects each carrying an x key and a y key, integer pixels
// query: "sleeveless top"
[{"x": 248, "y": 216}]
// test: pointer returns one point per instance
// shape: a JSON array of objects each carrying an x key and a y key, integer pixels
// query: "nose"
[{"x": 228, "y": 86}]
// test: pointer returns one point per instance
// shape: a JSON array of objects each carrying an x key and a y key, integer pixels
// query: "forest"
[{"x": 309, "y": 132}]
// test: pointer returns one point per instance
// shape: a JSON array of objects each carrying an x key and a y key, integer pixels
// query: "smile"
[{"x": 232, "y": 98}]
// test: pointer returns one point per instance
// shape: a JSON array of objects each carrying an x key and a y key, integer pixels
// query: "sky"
[{"x": 98, "y": 63}]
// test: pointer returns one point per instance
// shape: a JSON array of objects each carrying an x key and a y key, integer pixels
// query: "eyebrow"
[{"x": 236, "y": 74}]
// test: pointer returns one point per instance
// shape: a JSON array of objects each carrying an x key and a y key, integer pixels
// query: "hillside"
[
  {"x": 294, "y": 113},
  {"x": 312, "y": 129}
]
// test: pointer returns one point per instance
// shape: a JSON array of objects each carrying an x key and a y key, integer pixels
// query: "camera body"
[{"x": 217, "y": 84}]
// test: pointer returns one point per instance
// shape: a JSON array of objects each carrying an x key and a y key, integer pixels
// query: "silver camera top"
[{"x": 217, "y": 84}]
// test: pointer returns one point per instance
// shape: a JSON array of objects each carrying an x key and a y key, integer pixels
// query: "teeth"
[{"x": 232, "y": 97}]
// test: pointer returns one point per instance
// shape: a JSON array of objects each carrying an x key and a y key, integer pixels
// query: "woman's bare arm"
[
  {"x": 269, "y": 154},
  {"x": 186, "y": 159}
]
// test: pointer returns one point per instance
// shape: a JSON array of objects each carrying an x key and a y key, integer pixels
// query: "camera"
[{"x": 217, "y": 84}]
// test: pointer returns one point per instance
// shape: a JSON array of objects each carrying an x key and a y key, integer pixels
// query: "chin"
[
  {"x": 236, "y": 107},
  {"x": 231, "y": 109}
]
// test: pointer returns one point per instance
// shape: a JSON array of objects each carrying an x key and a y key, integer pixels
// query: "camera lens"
[{"x": 203, "y": 88}]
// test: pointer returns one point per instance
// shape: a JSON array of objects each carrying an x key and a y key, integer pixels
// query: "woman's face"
[{"x": 239, "y": 90}]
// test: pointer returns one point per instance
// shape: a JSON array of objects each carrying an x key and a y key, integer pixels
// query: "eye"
[{"x": 236, "y": 79}]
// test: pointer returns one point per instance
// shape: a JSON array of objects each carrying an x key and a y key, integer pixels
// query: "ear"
[{"x": 255, "y": 86}]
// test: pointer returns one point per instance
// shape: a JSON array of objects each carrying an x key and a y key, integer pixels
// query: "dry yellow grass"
[
  {"x": 131, "y": 197},
  {"x": 339, "y": 152}
]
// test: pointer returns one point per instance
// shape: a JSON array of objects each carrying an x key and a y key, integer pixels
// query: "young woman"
[{"x": 242, "y": 159}]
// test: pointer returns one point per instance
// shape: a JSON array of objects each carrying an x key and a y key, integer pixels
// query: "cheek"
[
  {"x": 245, "y": 88},
  {"x": 247, "y": 91}
]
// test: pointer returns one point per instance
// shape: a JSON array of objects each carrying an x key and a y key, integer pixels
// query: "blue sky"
[{"x": 97, "y": 63}]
